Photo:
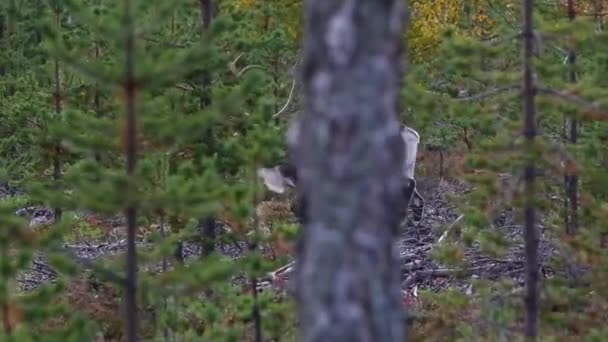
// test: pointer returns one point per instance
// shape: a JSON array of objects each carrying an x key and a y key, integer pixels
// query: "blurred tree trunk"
[{"x": 349, "y": 167}]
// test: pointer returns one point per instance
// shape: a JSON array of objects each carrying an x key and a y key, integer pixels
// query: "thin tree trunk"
[
  {"x": 530, "y": 232},
  {"x": 131, "y": 154},
  {"x": 208, "y": 224},
  {"x": 206, "y": 8},
  {"x": 165, "y": 306},
  {"x": 97, "y": 102},
  {"x": 252, "y": 245},
  {"x": 599, "y": 17},
  {"x": 572, "y": 180},
  {"x": 208, "y": 233},
  {"x": 349, "y": 172},
  {"x": 57, "y": 145},
  {"x": 6, "y": 314},
  {"x": 3, "y": 43}
]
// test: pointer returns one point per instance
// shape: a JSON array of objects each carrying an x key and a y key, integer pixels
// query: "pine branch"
[
  {"x": 495, "y": 40},
  {"x": 592, "y": 109},
  {"x": 166, "y": 44},
  {"x": 436, "y": 273}
]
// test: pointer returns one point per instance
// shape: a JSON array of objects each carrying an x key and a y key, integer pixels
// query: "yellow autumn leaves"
[{"x": 428, "y": 20}]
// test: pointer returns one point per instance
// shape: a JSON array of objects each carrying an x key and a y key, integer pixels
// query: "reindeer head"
[{"x": 278, "y": 178}]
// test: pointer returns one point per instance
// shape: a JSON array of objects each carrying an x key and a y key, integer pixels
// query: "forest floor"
[{"x": 416, "y": 246}]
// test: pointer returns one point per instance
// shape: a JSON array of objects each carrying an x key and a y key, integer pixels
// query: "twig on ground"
[
  {"x": 435, "y": 273},
  {"x": 408, "y": 257},
  {"x": 44, "y": 269},
  {"x": 411, "y": 265},
  {"x": 105, "y": 273}
]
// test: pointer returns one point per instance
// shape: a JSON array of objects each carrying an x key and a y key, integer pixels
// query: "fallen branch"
[
  {"x": 495, "y": 40},
  {"x": 44, "y": 269},
  {"x": 411, "y": 265},
  {"x": 184, "y": 87},
  {"x": 408, "y": 257},
  {"x": 436, "y": 273},
  {"x": 89, "y": 247},
  {"x": 103, "y": 272},
  {"x": 30, "y": 281},
  {"x": 103, "y": 245}
]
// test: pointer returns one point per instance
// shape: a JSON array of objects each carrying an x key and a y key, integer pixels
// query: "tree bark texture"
[{"x": 349, "y": 154}]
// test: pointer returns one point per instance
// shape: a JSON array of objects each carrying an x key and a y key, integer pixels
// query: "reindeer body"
[{"x": 281, "y": 177}]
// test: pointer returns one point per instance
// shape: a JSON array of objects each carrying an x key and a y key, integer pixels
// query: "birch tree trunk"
[{"x": 348, "y": 152}]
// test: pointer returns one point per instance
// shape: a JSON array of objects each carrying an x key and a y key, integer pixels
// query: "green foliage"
[
  {"x": 465, "y": 100},
  {"x": 199, "y": 145},
  {"x": 206, "y": 121}
]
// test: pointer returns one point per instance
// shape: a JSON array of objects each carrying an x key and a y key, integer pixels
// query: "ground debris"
[{"x": 419, "y": 270}]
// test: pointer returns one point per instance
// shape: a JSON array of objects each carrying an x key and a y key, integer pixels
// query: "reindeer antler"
[
  {"x": 293, "y": 86},
  {"x": 233, "y": 68}
]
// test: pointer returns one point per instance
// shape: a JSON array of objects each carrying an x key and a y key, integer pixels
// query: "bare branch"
[
  {"x": 591, "y": 109},
  {"x": 491, "y": 92},
  {"x": 166, "y": 44},
  {"x": 184, "y": 87},
  {"x": 495, "y": 40},
  {"x": 104, "y": 273}
]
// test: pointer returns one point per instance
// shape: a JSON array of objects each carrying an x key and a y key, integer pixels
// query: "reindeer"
[{"x": 279, "y": 178}]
